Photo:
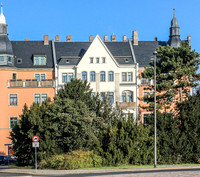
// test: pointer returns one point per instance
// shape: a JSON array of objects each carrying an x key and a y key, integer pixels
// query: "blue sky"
[{"x": 80, "y": 18}]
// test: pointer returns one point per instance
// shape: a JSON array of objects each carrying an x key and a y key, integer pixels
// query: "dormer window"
[
  {"x": 39, "y": 60},
  {"x": 19, "y": 61},
  {"x": 1, "y": 58},
  {"x": 67, "y": 61},
  {"x": 9, "y": 59},
  {"x": 126, "y": 60}
]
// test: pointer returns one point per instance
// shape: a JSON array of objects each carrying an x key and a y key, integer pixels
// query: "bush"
[{"x": 73, "y": 160}]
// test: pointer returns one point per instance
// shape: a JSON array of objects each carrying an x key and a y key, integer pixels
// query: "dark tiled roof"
[
  {"x": 71, "y": 49},
  {"x": 144, "y": 51},
  {"x": 26, "y": 49}
]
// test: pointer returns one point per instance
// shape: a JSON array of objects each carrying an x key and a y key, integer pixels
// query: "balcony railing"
[
  {"x": 31, "y": 83},
  {"x": 146, "y": 82},
  {"x": 128, "y": 105}
]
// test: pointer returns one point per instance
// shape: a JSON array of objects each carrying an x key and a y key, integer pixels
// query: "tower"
[
  {"x": 6, "y": 51},
  {"x": 174, "y": 38}
]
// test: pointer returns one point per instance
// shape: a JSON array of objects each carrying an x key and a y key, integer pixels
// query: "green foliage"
[
  {"x": 73, "y": 160},
  {"x": 176, "y": 71},
  {"x": 34, "y": 121},
  {"x": 169, "y": 141},
  {"x": 189, "y": 126},
  {"x": 127, "y": 143}
]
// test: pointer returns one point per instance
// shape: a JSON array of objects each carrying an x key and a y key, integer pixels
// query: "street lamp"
[{"x": 155, "y": 147}]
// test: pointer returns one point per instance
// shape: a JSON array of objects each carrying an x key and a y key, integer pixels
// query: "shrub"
[{"x": 73, "y": 160}]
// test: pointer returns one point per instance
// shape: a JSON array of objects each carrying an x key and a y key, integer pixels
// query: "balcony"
[
  {"x": 30, "y": 83},
  {"x": 127, "y": 105},
  {"x": 146, "y": 82}
]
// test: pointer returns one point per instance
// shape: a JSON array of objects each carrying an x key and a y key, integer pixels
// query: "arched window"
[
  {"x": 92, "y": 76},
  {"x": 110, "y": 76},
  {"x": 127, "y": 96},
  {"x": 84, "y": 76},
  {"x": 102, "y": 76}
]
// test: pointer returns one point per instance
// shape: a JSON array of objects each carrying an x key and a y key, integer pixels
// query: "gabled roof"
[{"x": 27, "y": 49}]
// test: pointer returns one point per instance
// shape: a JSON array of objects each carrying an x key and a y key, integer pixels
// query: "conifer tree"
[{"x": 176, "y": 73}]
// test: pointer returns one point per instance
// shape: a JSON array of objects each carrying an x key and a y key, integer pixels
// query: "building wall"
[{"x": 24, "y": 94}]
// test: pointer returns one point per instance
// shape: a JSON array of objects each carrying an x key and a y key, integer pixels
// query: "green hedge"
[{"x": 73, "y": 160}]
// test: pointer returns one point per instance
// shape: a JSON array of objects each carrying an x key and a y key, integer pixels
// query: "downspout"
[
  {"x": 55, "y": 67},
  {"x": 136, "y": 77}
]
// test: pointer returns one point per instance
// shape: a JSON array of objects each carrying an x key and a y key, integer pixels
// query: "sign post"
[{"x": 35, "y": 144}]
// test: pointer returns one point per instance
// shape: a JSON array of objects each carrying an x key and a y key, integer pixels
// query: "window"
[
  {"x": 102, "y": 76},
  {"x": 145, "y": 117},
  {"x": 92, "y": 76},
  {"x": 123, "y": 97},
  {"x": 97, "y": 60},
  {"x": 19, "y": 61},
  {"x": 37, "y": 77},
  {"x": 13, "y": 121},
  {"x": 64, "y": 77},
  {"x": 40, "y": 77},
  {"x": 130, "y": 76},
  {"x": 91, "y": 60},
  {"x": 44, "y": 96},
  {"x": 146, "y": 95},
  {"x": 37, "y": 98},
  {"x": 110, "y": 76},
  {"x": 130, "y": 97},
  {"x": 84, "y": 76},
  {"x": 124, "y": 78},
  {"x": 9, "y": 59},
  {"x": 93, "y": 94},
  {"x": 39, "y": 60},
  {"x": 102, "y": 96},
  {"x": 70, "y": 76},
  {"x": 1, "y": 58},
  {"x": 13, "y": 99},
  {"x": 14, "y": 76},
  {"x": 111, "y": 97},
  {"x": 127, "y": 96},
  {"x": 103, "y": 60}
]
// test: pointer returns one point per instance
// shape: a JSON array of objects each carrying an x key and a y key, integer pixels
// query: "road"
[{"x": 193, "y": 172}]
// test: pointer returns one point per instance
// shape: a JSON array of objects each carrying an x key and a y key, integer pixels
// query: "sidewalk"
[{"x": 84, "y": 171}]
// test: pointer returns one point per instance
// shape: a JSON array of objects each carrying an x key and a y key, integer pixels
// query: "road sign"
[
  {"x": 35, "y": 138},
  {"x": 35, "y": 144}
]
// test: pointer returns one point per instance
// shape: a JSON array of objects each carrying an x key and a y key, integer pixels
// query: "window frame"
[
  {"x": 84, "y": 76},
  {"x": 10, "y": 121},
  {"x": 124, "y": 76},
  {"x": 110, "y": 77},
  {"x": 102, "y": 76},
  {"x": 15, "y": 104},
  {"x": 111, "y": 95},
  {"x": 91, "y": 60},
  {"x": 92, "y": 76},
  {"x": 39, "y": 58},
  {"x": 64, "y": 77}
]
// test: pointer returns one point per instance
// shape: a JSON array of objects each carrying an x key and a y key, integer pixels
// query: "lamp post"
[{"x": 155, "y": 145}]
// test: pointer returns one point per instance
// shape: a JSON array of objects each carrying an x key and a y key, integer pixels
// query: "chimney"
[
  {"x": 124, "y": 38},
  {"x": 69, "y": 38},
  {"x": 57, "y": 38},
  {"x": 189, "y": 40},
  {"x": 156, "y": 39},
  {"x": 113, "y": 37},
  {"x": 135, "y": 37},
  {"x": 26, "y": 39},
  {"x": 46, "y": 40},
  {"x": 91, "y": 38},
  {"x": 105, "y": 38}
]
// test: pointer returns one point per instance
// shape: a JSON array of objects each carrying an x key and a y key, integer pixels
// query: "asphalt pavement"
[{"x": 173, "y": 171}]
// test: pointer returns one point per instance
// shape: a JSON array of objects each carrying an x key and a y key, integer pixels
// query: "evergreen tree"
[
  {"x": 175, "y": 73},
  {"x": 189, "y": 126},
  {"x": 34, "y": 121}
]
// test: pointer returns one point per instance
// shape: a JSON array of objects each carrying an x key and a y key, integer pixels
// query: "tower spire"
[
  {"x": 174, "y": 11},
  {"x": 1, "y": 8}
]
